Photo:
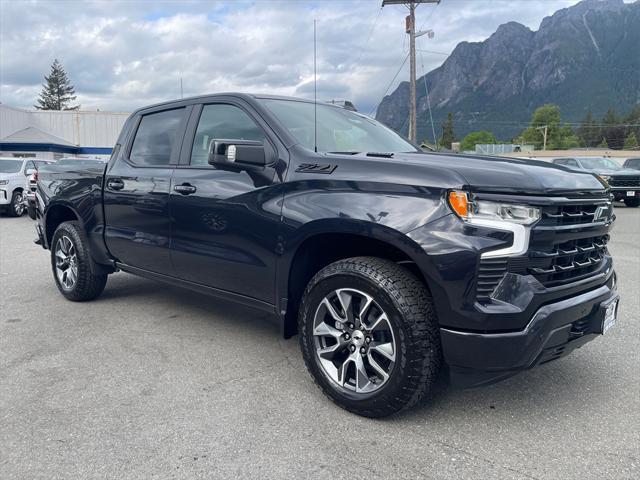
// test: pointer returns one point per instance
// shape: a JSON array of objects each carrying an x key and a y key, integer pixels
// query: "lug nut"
[
  {"x": 368, "y": 340},
  {"x": 363, "y": 350},
  {"x": 351, "y": 325},
  {"x": 352, "y": 348},
  {"x": 347, "y": 336}
]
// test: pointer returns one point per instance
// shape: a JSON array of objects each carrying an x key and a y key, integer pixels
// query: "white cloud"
[{"x": 124, "y": 54}]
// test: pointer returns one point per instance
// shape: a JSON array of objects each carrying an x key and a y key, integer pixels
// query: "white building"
[{"x": 54, "y": 134}]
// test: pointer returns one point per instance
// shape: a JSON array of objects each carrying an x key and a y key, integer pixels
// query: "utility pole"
[
  {"x": 544, "y": 136},
  {"x": 411, "y": 30}
]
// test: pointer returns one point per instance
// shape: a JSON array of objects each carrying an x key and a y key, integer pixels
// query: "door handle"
[
  {"x": 185, "y": 189},
  {"x": 115, "y": 184}
]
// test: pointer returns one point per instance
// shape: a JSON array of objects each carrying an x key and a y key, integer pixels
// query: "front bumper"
[
  {"x": 621, "y": 193},
  {"x": 5, "y": 197},
  {"x": 554, "y": 331}
]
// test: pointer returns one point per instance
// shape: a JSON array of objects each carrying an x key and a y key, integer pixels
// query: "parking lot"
[{"x": 151, "y": 381}]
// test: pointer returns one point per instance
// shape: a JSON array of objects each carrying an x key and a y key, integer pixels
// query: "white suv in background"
[{"x": 14, "y": 183}]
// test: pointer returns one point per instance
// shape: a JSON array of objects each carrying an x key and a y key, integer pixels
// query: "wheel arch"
[
  {"x": 54, "y": 216},
  {"x": 325, "y": 241}
]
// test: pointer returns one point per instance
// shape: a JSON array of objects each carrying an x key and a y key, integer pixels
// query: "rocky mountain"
[{"x": 583, "y": 57}]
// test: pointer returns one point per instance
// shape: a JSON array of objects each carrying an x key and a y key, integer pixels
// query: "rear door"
[
  {"x": 225, "y": 226},
  {"x": 136, "y": 191}
]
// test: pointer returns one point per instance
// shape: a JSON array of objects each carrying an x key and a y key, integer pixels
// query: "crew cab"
[
  {"x": 624, "y": 182},
  {"x": 390, "y": 264},
  {"x": 14, "y": 183}
]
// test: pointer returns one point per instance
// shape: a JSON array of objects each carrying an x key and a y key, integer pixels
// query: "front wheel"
[
  {"x": 71, "y": 264},
  {"x": 16, "y": 207},
  {"x": 369, "y": 336},
  {"x": 632, "y": 202}
]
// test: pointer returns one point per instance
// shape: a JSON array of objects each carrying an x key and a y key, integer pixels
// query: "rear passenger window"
[
  {"x": 222, "y": 122},
  {"x": 156, "y": 137}
]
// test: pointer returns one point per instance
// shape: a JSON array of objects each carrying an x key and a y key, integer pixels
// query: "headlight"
[
  {"x": 605, "y": 179},
  {"x": 469, "y": 210},
  {"x": 4, "y": 182}
]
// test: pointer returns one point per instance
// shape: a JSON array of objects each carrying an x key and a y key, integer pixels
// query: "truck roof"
[{"x": 245, "y": 96}]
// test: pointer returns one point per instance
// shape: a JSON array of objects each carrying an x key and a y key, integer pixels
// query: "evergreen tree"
[
  {"x": 631, "y": 142},
  {"x": 588, "y": 132},
  {"x": 57, "y": 91},
  {"x": 612, "y": 129},
  {"x": 448, "y": 133},
  {"x": 633, "y": 120},
  {"x": 603, "y": 143}
]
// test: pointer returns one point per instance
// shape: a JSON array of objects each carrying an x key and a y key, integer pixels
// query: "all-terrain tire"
[
  {"x": 87, "y": 285},
  {"x": 409, "y": 307}
]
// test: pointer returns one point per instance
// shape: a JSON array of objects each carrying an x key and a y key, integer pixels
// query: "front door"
[
  {"x": 136, "y": 192},
  {"x": 225, "y": 223}
]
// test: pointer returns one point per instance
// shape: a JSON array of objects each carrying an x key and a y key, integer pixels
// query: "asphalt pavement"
[{"x": 152, "y": 381}]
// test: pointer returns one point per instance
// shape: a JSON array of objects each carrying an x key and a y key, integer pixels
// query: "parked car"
[
  {"x": 389, "y": 263},
  {"x": 633, "y": 163},
  {"x": 32, "y": 183},
  {"x": 14, "y": 183},
  {"x": 625, "y": 183}
]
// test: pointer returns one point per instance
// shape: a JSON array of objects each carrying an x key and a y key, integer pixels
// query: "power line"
[
  {"x": 390, "y": 84},
  {"x": 366, "y": 42},
  {"x": 432, "y": 51}
]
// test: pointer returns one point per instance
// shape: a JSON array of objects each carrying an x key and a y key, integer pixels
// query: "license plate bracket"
[{"x": 610, "y": 316}]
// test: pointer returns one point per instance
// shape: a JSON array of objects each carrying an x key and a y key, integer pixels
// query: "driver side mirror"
[
  {"x": 237, "y": 154},
  {"x": 30, "y": 171}
]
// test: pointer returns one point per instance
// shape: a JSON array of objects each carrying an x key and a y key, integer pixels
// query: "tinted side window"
[
  {"x": 219, "y": 122},
  {"x": 156, "y": 137},
  {"x": 572, "y": 163}
]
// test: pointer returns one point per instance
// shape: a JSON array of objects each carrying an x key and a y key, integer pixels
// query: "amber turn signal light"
[{"x": 459, "y": 202}]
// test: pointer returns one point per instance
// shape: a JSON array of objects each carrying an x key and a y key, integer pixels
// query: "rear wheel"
[
  {"x": 632, "y": 202},
  {"x": 16, "y": 207},
  {"x": 369, "y": 336},
  {"x": 71, "y": 264}
]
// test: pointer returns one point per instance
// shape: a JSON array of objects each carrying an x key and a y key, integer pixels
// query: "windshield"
[
  {"x": 339, "y": 130},
  {"x": 599, "y": 163},
  {"x": 10, "y": 166},
  {"x": 633, "y": 163}
]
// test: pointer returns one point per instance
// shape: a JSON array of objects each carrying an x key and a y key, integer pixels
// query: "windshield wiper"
[
  {"x": 380, "y": 154},
  {"x": 345, "y": 153}
]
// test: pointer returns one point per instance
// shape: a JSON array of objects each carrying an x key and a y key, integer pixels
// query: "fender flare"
[{"x": 348, "y": 226}]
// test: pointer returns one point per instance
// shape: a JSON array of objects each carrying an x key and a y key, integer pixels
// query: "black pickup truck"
[{"x": 391, "y": 264}]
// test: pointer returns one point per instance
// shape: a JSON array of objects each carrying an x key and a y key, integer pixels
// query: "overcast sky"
[{"x": 121, "y": 55}]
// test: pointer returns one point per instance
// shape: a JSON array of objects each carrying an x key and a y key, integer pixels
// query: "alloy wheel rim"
[
  {"x": 19, "y": 204},
  {"x": 354, "y": 341},
  {"x": 66, "y": 260}
]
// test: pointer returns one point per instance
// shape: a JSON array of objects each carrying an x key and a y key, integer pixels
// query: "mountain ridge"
[{"x": 583, "y": 57}]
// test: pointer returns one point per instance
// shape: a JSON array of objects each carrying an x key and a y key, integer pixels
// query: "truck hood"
[
  {"x": 509, "y": 175},
  {"x": 627, "y": 172},
  {"x": 9, "y": 176}
]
